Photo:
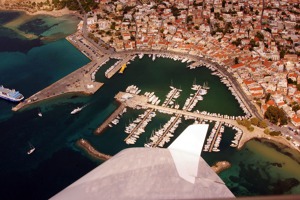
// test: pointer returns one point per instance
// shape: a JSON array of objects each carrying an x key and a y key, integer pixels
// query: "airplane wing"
[{"x": 177, "y": 172}]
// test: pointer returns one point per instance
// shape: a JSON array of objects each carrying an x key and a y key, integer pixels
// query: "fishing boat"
[{"x": 31, "y": 149}]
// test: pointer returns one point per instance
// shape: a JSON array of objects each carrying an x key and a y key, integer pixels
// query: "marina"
[
  {"x": 163, "y": 135},
  {"x": 148, "y": 101}
]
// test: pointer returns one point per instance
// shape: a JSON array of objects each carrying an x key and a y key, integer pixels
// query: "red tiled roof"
[
  {"x": 237, "y": 66},
  {"x": 271, "y": 102}
]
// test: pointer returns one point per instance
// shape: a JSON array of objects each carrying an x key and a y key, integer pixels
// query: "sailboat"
[
  {"x": 205, "y": 85},
  {"x": 31, "y": 150}
]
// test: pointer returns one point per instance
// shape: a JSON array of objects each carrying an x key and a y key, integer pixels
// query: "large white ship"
[{"x": 11, "y": 95}]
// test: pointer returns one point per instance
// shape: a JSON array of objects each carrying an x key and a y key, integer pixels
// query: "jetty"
[
  {"x": 221, "y": 166},
  {"x": 81, "y": 80},
  {"x": 113, "y": 70},
  {"x": 91, "y": 151},
  {"x": 105, "y": 124}
]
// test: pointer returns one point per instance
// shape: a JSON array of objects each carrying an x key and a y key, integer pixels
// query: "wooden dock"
[{"x": 109, "y": 119}]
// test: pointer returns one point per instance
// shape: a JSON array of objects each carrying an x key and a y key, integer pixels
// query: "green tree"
[
  {"x": 290, "y": 81},
  {"x": 268, "y": 96},
  {"x": 250, "y": 128},
  {"x": 263, "y": 124},
  {"x": 175, "y": 11},
  {"x": 236, "y": 60},
  {"x": 276, "y": 115},
  {"x": 267, "y": 131},
  {"x": 259, "y": 35},
  {"x": 282, "y": 53},
  {"x": 254, "y": 121},
  {"x": 275, "y": 133},
  {"x": 113, "y": 26},
  {"x": 296, "y": 107}
]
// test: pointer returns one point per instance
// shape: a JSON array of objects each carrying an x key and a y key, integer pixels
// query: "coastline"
[
  {"x": 258, "y": 133},
  {"x": 54, "y": 13},
  {"x": 247, "y": 136}
]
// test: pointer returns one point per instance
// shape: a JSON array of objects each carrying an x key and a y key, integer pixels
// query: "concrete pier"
[
  {"x": 118, "y": 67},
  {"x": 109, "y": 119},
  {"x": 79, "y": 81},
  {"x": 134, "y": 101}
]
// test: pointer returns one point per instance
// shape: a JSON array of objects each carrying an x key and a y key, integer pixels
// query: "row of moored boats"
[
  {"x": 164, "y": 134},
  {"x": 137, "y": 127}
]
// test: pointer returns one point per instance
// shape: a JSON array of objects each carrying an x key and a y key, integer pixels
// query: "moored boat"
[{"x": 10, "y": 94}]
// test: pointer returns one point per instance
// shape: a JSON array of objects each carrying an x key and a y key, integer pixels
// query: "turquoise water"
[{"x": 57, "y": 161}]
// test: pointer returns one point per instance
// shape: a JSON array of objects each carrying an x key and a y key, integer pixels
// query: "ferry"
[{"x": 11, "y": 95}]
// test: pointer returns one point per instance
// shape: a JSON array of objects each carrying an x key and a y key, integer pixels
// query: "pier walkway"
[{"x": 139, "y": 100}]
